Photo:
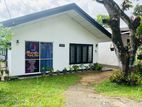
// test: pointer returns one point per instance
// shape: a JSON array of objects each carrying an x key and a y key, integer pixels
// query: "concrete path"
[{"x": 83, "y": 95}]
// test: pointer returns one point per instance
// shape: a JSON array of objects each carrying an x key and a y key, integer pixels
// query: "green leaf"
[{"x": 5, "y": 36}]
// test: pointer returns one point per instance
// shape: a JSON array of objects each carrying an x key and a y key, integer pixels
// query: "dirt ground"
[{"x": 83, "y": 95}]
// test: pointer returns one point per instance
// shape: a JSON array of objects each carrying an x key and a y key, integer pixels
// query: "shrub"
[
  {"x": 90, "y": 66},
  {"x": 86, "y": 67},
  {"x": 75, "y": 67},
  {"x": 82, "y": 67},
  {"x": 65, "y": 70},
  {"x": 117, "y": 77},
  {"x": 57, "y": 72},
  {"x": 70, "y": 68},
  {"x": 49, "y": 69},
  {"x": 138, "y": 68},
  {"x": 96, "y": 67},
  {"x": 133, "y": 78}
]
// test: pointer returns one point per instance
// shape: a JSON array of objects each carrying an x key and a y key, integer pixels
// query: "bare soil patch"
[{"x": 91, "y": 78}]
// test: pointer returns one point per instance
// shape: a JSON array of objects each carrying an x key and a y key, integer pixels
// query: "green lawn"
[
  {"x": 112, "y": 89},
  {"x": 37, "y": 92}
]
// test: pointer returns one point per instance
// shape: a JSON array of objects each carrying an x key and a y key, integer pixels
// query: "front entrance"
[{"x": 38, "y": 56}]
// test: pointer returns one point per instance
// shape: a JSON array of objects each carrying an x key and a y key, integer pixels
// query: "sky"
[{"x": 15, "y": 8}]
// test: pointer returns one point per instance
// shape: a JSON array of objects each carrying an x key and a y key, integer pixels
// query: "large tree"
[
  {"x": 138, "y": 10},
  {"x": 5, "y": 39},
  {"x": 126, "y": 54}
]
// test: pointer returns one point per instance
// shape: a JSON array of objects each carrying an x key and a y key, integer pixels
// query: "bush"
[
  {"x": 64, "y": 70},
  {"x": 75, "y": 67},
  {"x": 70, "y": 69},
  {"x": 138, "y": 68},
  {"x": 96, "y": 67},
  {"x": 82, "y": 67},
  {"x": 133, "y": 78},
  {"x": 50, "y": 70},
  {"x": 117, "y": 77}
]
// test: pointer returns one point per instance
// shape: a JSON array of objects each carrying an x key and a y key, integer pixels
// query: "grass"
[
  {"x": 113, "y": 89},
  {"x": 36, "y": 92}
]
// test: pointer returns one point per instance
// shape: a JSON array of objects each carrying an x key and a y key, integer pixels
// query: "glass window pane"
[
  {"x": 90, "y": 54},
  {"x": 85, "y": 54},
  {"x": 32, "y": 50},
  {"x": 78, "y": 54},
  {"x": 72, "y": 54},
  {"x": 46, "y": 50},
  {"x": 46, "y": 65},
  {"x": 32, "y": 66}
]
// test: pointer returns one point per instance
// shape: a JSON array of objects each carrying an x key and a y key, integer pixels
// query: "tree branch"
[
  {"x": 114, "y": 6},
  {"x": 100, "y": 1}
]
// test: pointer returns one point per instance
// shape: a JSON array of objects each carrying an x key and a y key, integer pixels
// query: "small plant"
[
  {"x": 91, "y": 66},
  {"x": 70, "y": 68},
  {"x": 133, "y": 79},
  {"x": 117, "y": 77},
  {"x": 138, "y": 68},
  {"x": 87, "y": 68},
  {"x": 82, "y": 67},
  {"x": 96, "y": 67},
  {"x": 43, "y": 70},
  {"x": 58, "y": 72},
  {"x": 75, "y": 68},
  {"x": 65, "y": 70},
  {"x": 99, "y": 67},
  {"x": 49, "y": 70}
]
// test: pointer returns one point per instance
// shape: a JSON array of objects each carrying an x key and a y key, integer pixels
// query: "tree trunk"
[
  {"x": 125, "y": 60},
  {"x": 126, "y": 54}
]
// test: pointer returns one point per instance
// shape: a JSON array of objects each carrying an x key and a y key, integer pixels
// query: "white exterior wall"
[
  {"x": 59, "y": 30},
  {"x": 106, "y": 56},
  {"x": 9, "y": 60}
]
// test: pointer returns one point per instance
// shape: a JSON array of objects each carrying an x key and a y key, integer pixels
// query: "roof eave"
[{"x": 57, "y": 10}]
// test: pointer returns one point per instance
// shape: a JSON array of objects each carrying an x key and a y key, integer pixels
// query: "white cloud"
[{"x": 22, "y": 7}]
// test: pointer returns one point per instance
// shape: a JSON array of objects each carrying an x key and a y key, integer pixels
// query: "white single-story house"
[{"x": 54, "y": 38}]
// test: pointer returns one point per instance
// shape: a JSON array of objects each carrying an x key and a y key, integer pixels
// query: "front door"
[{"x": 38, "y": 56}]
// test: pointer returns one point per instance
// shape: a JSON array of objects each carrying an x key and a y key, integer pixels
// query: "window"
[
  {"x": 46, "y": 56},
  {"x": 78, "y": 54},
  {"x": 38, "y": 56},
  {"x": 72, "y": 54},
  {"x": 90, "y": 53},
  {"x": 32, "y": 57},
  {"x": 85, "y": 54},
  {"x": 81, "y": 53}
]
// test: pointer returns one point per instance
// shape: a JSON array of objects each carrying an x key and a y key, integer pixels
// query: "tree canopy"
[
  {"x": 126, "y": 54},
  {"x": 101, "y": 19},
  {"x": 138, "y": 10},
  {"x": 5, "y": 36}
]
